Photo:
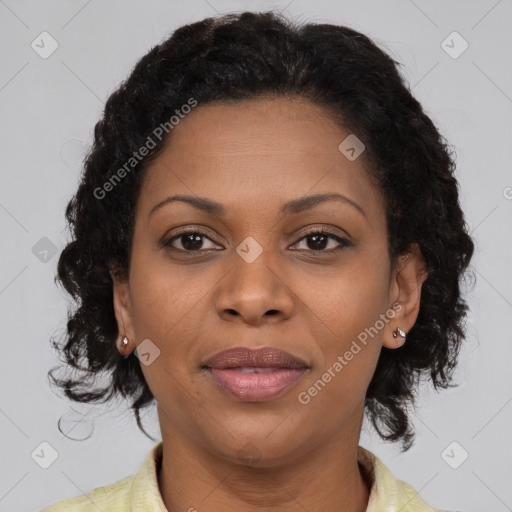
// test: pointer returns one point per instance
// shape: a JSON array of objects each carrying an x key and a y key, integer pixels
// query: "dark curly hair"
[{"x": 256, "y": 55}]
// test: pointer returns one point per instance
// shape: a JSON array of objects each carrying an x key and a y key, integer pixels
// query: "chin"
[{"x": 260, "y": 442}]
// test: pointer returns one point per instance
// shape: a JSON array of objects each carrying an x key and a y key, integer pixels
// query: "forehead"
[
  {"x": 255, "y": 127},
  {"x": 254, "y": 151}
]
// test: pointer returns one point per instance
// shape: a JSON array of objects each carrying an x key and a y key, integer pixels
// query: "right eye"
[{"x": 190, "y": 241}]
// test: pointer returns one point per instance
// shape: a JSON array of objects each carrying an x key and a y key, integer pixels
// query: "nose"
[{"x": 255, "y": 293}]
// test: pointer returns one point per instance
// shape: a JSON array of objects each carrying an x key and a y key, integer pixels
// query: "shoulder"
[
  {"x": 108, "y": 498},
  {"x": 388, "y": 493},
  {"x": 140, "y": 490}
]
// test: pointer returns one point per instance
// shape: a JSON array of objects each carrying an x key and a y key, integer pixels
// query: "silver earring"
[
  {"x": 124, "y": 341},
  {"x": 398, "y": 331}
]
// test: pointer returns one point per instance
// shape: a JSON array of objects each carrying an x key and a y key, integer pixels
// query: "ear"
[
  {"x": 123, "y": 312},
  {"x": 405, "y": 289}
]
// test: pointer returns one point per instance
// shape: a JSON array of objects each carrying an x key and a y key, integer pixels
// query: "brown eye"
[
  {"x": 323, "y": 241},
  {"x": 190, "y": 241}
]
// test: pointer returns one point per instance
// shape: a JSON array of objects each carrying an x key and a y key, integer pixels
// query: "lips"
[
  {"x": 255, "y": 375},
  {"x": 243, "y": 357}
]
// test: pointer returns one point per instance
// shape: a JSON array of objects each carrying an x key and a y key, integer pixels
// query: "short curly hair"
[{"x": 248, "y": 56}]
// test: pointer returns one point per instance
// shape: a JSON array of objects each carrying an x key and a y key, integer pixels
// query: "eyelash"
[{"x": 344, "y": 243}]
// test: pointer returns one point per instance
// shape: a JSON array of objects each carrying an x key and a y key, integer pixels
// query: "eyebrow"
[{"x": 293, "y": 207}]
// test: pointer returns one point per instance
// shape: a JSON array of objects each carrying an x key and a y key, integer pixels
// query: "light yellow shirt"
[{"x": 140, "y": 492}]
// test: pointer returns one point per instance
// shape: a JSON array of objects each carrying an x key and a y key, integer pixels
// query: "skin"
[{"x": 252, "y": 157}]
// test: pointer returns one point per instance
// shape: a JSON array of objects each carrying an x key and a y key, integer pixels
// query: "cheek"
[
  {"x": 350, "y": 299},
  {"x": 163, "y": 312},
  {"x": 161, "y": 296},
  {"x": 346, "y": 354},
  {"x": 168, "y": 306},
  {"x": 348, "y": 327}
]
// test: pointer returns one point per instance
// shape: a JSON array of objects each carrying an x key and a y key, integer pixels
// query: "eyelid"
[
  {"x": 199, "y": 229},
  {"x": 322, "y": 230}
]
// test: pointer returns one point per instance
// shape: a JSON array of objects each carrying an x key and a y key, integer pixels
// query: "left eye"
[
  {"x": 191, "y": 241},
  {"x": 320, "y": 239}
]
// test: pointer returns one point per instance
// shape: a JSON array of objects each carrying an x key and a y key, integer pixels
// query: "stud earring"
[
  {"x": 124, "y": 341},
  {"x": 398, "y": 331}
]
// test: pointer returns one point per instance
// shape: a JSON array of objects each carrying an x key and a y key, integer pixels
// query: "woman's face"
[{"x": 253, "y": 278}]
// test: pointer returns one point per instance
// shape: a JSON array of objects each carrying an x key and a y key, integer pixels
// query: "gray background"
[{"x": 48, "y": 111}]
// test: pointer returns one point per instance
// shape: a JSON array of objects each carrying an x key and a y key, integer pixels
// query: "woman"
[{"x": 270, "y": 224}]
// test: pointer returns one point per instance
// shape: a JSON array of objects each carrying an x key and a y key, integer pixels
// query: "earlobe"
[
  {"x": 122, "y": 310},
  {"x": 400, "y": 337},
  {"x": 123, "y": 347},
  {"x": 408, "y": 278}
]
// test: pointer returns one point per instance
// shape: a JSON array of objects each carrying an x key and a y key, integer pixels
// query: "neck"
[{"x": 325, "y": 477}]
